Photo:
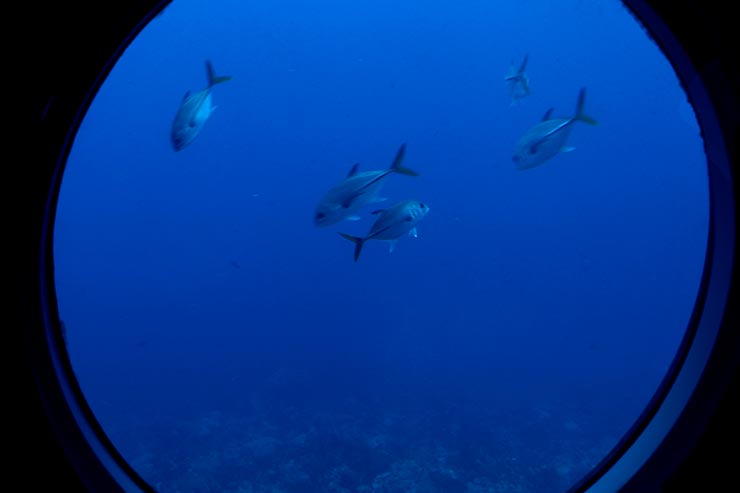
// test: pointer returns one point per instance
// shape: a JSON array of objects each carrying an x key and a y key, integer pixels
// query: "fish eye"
[
  {"x": 421, "y": 204},
  {"x": 320, "y": 215}
]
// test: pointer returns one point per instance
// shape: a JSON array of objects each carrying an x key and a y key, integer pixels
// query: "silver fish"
[
  {"x": 518, "y": 81},
  {"x": 549, "y": 137},
  {"x": 194, "y": 111},
  {"x": 392, "y": 224},
  {"x": 355, "y": 191}
]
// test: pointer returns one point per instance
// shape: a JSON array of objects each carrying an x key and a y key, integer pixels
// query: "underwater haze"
[{"x": 502, "y": 328}]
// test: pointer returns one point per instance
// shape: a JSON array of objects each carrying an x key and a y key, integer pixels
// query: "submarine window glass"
[{"x": 379, "y": 246}]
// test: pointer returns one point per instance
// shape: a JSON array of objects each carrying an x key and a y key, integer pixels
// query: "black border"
[{"x": 66, "y": 49}]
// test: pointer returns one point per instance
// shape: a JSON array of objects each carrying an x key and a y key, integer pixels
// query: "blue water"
[{"x": 226, "y": 344}]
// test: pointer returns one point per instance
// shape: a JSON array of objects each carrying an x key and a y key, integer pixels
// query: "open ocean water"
[{"x": 228, "y": 344}]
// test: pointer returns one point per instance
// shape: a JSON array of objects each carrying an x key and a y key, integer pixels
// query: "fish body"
[
  {"x": 194, "y": 111},
  {"x": 549, "y": 137},
  {"x": 358, "y": 189},
  {"x": 391, "y": 224},
  {"x": 518, "y": 81}
]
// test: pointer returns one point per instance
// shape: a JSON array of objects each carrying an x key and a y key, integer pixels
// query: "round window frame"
[{"x": 649, "y": 454}]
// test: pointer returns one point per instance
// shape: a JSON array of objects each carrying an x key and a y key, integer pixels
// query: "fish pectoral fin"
[
  {"x": 533, "y": 148},
  {"x": 391, "y": 246},
  {"x": 512, "y": 73},
  {"x": 377, "y": 211},
  {"x": 567, "y": 149},
  {"x": 413, "y": 233},
  {"x": 379, "y": 199},
  {"x": 350, "y": 199},
  {"x": 353, "y": 218}
]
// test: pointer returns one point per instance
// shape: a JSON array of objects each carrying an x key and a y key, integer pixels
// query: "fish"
[
  {"x": 518, "y": 81},
  {"x": 392, "y": 223},
  {"x": 358, "y": 189},
  {"x": 194, "y": 111},
  {"x": 549, "y": 137}
]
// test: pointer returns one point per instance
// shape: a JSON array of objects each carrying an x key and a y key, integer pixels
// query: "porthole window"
[{"x": 380, "y": 246}]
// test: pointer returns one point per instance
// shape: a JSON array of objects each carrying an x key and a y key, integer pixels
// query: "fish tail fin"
[
  {"x": 580, "y": 115},
  {"x": 214, "y": 79},
  {"x": 357, "y": 241},
  {"x": 396, "y": 165},
  {"x": 523, "y": 66},
  {"x": 517, "y": 74}
]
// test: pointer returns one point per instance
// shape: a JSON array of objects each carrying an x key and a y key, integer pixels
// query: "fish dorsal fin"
[
  {"x": 548, "y": 115},
  {"x": 186, "y": 96},
  {"x": 353, "y": 170},
  {"x": 377, "y": 211}
]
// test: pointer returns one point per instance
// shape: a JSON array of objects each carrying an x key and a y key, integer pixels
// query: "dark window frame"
[{"x": 669, "y": 446}]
